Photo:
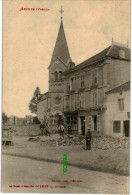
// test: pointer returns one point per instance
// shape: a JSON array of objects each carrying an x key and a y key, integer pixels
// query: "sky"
[{"x": 29, "y": 38}]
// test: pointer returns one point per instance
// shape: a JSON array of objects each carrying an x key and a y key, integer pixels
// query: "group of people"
[{"x": 61, "y": 129}]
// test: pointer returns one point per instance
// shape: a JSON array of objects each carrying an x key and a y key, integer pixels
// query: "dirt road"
[{"x": 26, "y": 172}]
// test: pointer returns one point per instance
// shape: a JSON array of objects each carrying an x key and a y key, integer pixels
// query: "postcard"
[{"x": 66, "y": 96}]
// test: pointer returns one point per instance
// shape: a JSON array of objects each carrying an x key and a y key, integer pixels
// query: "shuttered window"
[
  {"x": 94, "y": 77},
  {"x": 72, "y": 102},
  {"x": 94, "y": 98},
  {"x": 82, "y": 100},
  {"x": 77, "y": 101},
  {"x": 116, "y": 126},
  {"x": 121, "y": 104}
]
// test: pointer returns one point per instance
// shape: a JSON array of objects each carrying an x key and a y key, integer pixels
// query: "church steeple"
[{"x": 61, "y": 49}]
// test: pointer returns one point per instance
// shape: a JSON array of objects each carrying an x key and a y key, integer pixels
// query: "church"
[
  {"x": 78, "y": 93},
  {"x": 51, "y": 104}
]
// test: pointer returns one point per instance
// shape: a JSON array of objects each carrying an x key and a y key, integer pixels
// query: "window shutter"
[
  {"x": 92, "y": 99},
  {"x": 89, "y": 122},
  {"x": 82, "y": 100},
  {"x": 72, "y": 102},
  {"x": 77, "y": 101}
]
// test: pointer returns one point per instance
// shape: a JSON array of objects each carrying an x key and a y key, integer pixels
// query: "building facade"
[
  {"x": 87, "y": 83},
  {"x": 77, "y": 94},
  {"x": 117, "y": 115}
]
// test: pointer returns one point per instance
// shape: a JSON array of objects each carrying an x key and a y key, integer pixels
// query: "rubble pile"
[
  {"x": 70, "y": 140},
  {"x": 110, "y": 143},
  {"x": 104, "y": 143},
  {"x": 67, "y": 140}
]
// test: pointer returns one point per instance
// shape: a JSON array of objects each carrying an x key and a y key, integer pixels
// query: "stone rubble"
[{"x": 103, "y": 143}]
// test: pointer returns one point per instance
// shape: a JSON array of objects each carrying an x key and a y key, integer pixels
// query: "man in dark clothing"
[
  {"x": 69, "y": 129},
  {"x": 42, "y": 128},
  {"x": 88, "y": 139}
]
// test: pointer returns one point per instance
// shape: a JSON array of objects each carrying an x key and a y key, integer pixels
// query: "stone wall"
[{"x": 32, "y": 129}]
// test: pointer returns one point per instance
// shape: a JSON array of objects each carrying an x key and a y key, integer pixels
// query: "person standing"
[
  {"x": 42, "y": 128},
  {"x": 61, "y": 129},
  {"x": 69, "y": 130},
  {"x": 88, "y": 139}
]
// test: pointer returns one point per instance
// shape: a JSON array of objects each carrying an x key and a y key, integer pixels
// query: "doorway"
[
  {"x": 95, "y": 122},
  {"x": 82, "y": 125},
  {"x": 126, "y": 128}
]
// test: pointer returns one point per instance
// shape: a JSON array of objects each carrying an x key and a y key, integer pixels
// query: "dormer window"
[
  {"x": 121, "y": 53},
  {"x": 82, "y": 81},
  {"x": 94, "y": 77}
]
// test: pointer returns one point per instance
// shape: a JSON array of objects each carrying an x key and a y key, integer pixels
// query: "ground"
[
  {"x": 26, "y": 172},
  {"x": 111, "y": 161}
]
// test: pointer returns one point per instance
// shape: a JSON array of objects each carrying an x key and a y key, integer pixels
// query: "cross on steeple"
[{"x": 61, "y": 11}]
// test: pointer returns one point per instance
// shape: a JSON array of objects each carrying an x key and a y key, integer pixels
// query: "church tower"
[
  {"x": 59, "y": 61},
  {"x": 58, "y": 64}
]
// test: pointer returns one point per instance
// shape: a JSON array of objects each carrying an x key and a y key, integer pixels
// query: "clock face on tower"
[{"x": 57, "y": 100}]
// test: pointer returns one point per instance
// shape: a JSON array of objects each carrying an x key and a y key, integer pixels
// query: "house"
[
  {"x": 86, "y": 84},
  {"x": 117, "y": 115}
]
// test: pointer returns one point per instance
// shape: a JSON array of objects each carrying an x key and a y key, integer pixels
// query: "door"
[
  {"x": 82, "y": 125},
  {"x": 126, "y": 128},
  {"x": 95, "y": 123}
]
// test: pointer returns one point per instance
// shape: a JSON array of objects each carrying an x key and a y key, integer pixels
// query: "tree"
[
  {"x": 33, "y": 101},
  {"x": 36, "y": 120},
  {"x": 4, "y": 118}
]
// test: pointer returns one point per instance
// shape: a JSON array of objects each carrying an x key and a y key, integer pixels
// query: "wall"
[
  {"x": 118, "y": 72},
  {"x": 41, "y": 109},
  {"x": 32, "y": 129},
  {"x": 113, "y": 113}
]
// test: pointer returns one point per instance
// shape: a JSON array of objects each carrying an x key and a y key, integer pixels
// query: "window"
[
  {"x": 94, "y": 77},
  {"x": 67, "y": 107},
  {"x": 60, "y": 75},
  {"x": 71, "y": 83},
  {"x": 94, "y": 98},
  {"x": 68, "y": 120},
  {"x": 72, "y": 102},
  {"x": 121, "y": 104},
  {"x": 82, "y": 100},
  {"x": 71, "y": 120},
  {"x": 56, "y": 76},
  {"x": 116, "y": 126},
  {"x": 82, "y": 81},
  {"x": 77, "y": 102}
]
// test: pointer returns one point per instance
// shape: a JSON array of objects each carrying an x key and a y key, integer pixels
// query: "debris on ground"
[
  {"x": 103, "y": 143},
  {"x": 110, "y": 143}
]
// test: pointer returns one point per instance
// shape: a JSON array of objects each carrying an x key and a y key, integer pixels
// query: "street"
[{"x": 26, "y": 172}]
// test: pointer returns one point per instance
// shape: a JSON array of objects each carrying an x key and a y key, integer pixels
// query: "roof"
[
  {"x": 43, "y": 96},
  {"x": 61, "y": 49},
  {"x": 111, "y": 51},
  {"x": 123, "y": 87}
]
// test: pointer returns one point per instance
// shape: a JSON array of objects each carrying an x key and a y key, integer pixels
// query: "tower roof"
[{"x": 61, "y": 49}]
